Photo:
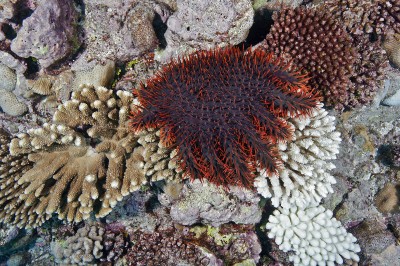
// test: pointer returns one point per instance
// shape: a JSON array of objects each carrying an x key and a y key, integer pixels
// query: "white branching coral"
[
  {"x": 85, "y": 161},
  {"x": 304, "y": 177},
  {"x": 315, "y": 237}
]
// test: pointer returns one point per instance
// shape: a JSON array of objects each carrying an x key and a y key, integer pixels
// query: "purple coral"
[{"x": 49, "y": 34}]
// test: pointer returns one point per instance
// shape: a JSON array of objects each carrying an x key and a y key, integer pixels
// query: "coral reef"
[
  {"x": 49, "y": 34},
  {"x": 206, "y": 203},
  {"x": 84, "y": 248},
  {"x": 315, "y": 237},
  {"x": 205, "y": 25},
  {"x": 300, "y": 35},
  {"x": 101, "y": 168},
  {"x": 206, "y": 115},
  {"x": 9, "y": 102},
  {"x": 305, "y": 176}
]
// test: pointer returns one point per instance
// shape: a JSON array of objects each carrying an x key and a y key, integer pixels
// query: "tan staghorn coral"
[
  {"x": 158, "y": 162},
  {"x": 11, "y": 169},
  {"x": 88, "y": 157}
]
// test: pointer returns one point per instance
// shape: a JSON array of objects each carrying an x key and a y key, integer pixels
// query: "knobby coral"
[
  {"x": 377, "y": 17},
  {"x": 316, "y": 42},
  {"x": 223, "y": 110},
  {"x": 86, "y": 160},
  {"x": 315, "y": 237}
]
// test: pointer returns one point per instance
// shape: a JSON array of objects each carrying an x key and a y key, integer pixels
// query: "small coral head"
[{"x": 224, "y": 111}]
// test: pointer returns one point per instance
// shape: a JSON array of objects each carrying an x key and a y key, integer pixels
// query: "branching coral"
[
  {"x": 369, "y": 69},
  {"x": 11, "y": 169},
  {"x": 315, "y": 237},
  {"x": 224, "y": 112},
  {"x": 379, "y": 17},
  {"x": 317, "y": 43},
  {"x": 304, "y": 177},
  {"x": 87, "y": 160},
  {"x": 166, "y": 247}
]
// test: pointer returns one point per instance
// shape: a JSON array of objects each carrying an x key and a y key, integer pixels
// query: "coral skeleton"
[
  {"x": 304, "y": 177},
  {"x": 224, "y": 111},
  {"x": 315, "y": 237}
]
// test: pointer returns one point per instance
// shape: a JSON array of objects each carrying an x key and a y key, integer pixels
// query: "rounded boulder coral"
[{"x": 224, "y": 111}]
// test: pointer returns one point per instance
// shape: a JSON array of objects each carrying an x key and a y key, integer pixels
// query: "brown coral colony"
[{"x": 224, "y": 110}]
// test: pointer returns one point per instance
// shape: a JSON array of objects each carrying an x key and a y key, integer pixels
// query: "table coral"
[
  {"x": 224, "y": 110},
  {"x": 86, "y": 157}
]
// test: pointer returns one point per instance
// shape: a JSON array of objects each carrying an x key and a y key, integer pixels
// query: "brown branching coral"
[
  {"x": 319, "y": 45},
  {"x": 85, "y": 161},
  {"x": 369, "y": 69},
  {"x": 224, "y": 111},
  {"x": 376, "y": 17},
  {"x": 11, "y": 169}
]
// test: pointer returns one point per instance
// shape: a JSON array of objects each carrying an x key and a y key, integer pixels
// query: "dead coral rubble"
[{"x": 87, "y": 157}]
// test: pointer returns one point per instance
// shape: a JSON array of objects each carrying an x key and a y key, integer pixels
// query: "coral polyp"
[{"x": 224, "y": 111}]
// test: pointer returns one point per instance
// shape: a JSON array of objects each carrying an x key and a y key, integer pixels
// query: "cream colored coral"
[
  {"x": 10, "y": 104},
  {"x": 8, "y": 78},
  {"x": 159, "y": 162},
  {"x": 305, "y": 176},
  {"x": 83, "y": 248},
  {"x": 43, "y": 85},
  {"x": 314, "y": 236},
  {"x": 41, "y": 138},
  {"x": 72, "y": 173}
]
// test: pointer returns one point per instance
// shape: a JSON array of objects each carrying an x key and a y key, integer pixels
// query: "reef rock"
[
  {"x": 49, "y": 34},
  {"x": 201, "y": 25},
  {"x": 210, "y": 204}
]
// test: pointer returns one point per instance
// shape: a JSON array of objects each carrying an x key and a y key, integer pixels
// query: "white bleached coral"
[
  {"x": 304, "y": 177},
  {"x": 315, "y": 237}
]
